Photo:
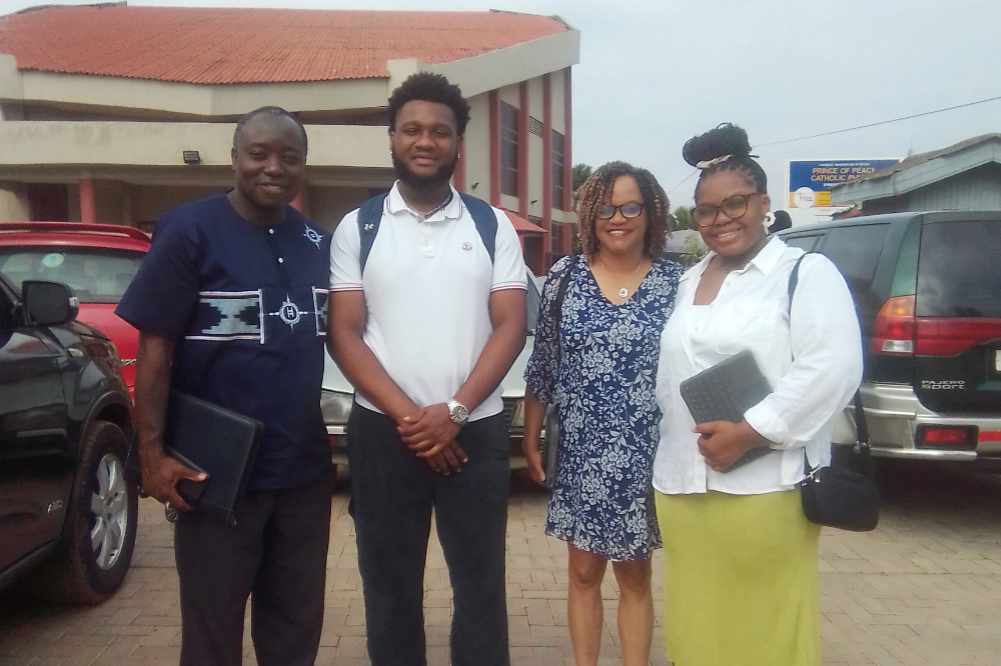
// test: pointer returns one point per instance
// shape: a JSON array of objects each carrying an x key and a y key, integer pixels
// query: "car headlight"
[
  {"x": 518, "y": 415},
  {"x": 335, "y": 407}
]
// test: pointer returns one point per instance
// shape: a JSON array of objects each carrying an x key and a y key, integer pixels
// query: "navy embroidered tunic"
[
  {"x": 601, "y": 374},
  {"x": 246, "y": 306}
]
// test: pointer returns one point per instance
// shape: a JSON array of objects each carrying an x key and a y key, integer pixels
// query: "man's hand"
[
  {"x": 451, "y": 459},
  {"x": 430, "y": 433},
  {"x": 533, "y": 457},
  {"x": 722, "y": 443},
  {"x": 160, "y": 477}
]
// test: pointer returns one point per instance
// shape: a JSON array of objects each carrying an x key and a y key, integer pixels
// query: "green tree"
[
  {"x": 581, "y": 172},
  {"x": 682, "y": 218}
]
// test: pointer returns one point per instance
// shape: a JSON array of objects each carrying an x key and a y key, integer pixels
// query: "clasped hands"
[
  {"x": 431, "y": 435},
  {"x": 722, "y": 443}
]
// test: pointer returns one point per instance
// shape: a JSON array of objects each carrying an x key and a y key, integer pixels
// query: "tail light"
[
  {"x": 899, "y": 333},
  {"x": 895, "y": 328},
  {"x": 949, "y": 337},
  {"x": 947, "y": 437}
]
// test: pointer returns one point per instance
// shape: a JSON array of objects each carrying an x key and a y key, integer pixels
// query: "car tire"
[{"x": 104, "y": 507}]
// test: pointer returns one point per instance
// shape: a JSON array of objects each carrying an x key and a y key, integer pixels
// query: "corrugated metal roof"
[
  {"x": 922, "y": 158},
  {"x": 224, "y": 46}
]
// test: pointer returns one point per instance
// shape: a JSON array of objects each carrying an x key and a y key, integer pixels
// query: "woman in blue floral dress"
[{"x": 598, "y": 370}]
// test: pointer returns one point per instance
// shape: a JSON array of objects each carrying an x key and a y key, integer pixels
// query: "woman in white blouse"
[{"x": 741, "y": 582}]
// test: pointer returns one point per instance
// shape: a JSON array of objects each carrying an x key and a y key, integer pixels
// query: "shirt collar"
[
  {"x": 396, "y": 204},
  {"x": 765, "y": 260}
]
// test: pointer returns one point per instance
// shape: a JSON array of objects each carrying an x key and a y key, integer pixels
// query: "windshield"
[
  {"x": 958, "y": 273},
  {"x": 95, "y": 275}
]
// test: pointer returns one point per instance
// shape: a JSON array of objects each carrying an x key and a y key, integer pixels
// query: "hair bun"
[{"x": 724, "y": 139}]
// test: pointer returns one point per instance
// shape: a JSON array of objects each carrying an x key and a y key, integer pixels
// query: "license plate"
[{"x": 997, "y": 361}]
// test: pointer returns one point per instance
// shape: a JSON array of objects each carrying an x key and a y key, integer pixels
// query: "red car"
[{"x": 97, "y": 261}]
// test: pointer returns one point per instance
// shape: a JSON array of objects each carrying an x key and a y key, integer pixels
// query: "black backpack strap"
[
  {"x": 794, "y": 280},
  {"x": 485, "y": 220},
  {"x": 369, "y": 217}
]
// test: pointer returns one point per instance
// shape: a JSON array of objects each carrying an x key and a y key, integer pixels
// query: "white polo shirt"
[{"x": 427, "y": 285}]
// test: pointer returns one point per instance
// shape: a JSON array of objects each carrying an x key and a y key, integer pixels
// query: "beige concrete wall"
[
  {"x": 14, "y": 202},
  {"x": 477, "y": 147},
  {"x": 202, "y": 100},
  {"x": 327, "y": 205},
  {"x": 536, "y": 166},
  {"x": 510, "y": 95},
  {"x": 10, "y": 79},
  {"x": 161, "y": 144},
  {"x": 505, "y": 67},
  {"x": 557, "y": 82},
  {"x": 535, "y": 99}
]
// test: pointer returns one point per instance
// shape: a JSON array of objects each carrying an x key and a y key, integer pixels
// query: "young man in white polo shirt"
[{"x": 428, "y": 313}]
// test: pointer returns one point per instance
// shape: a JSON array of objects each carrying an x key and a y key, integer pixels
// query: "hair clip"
[{"x": 708, "y": 164}]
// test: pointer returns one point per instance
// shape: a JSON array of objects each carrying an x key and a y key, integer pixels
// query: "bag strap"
[
  {"x": 370, "y": 215},
  {"x": 861, "y": 426},
  {"x": 556, "y": 310},
  {"x": 485, "y": 220}
]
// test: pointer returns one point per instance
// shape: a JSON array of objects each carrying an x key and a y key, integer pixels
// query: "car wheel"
[{"x": 100, "y": 531}]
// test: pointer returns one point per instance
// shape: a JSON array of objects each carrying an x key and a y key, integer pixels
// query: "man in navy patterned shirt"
[{"x": 230, "y": 303}]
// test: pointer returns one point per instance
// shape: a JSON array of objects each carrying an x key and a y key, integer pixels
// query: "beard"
[{"x": 418, "y": 182}]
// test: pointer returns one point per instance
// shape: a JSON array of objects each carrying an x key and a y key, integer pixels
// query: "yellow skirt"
[{"x": 740, "y": 584}]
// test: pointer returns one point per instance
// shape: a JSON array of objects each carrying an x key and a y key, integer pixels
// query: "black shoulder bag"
[
  {"x": 842, "y": 495},
  {"x": 551, "y": 447}
]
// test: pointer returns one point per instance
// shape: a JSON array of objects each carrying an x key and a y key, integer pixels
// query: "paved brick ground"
[{"x": 925, "y": 588}]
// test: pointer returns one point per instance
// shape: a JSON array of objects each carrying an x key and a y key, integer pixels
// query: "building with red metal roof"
[{"x": 115, "y": 113}]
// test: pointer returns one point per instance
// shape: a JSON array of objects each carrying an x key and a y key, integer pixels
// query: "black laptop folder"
[
  {"x": 725, "y": 391},
  {"x": 214, "y": 440}
]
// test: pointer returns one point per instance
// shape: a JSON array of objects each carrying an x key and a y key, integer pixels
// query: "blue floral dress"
[{"x": 601, "y": 373}]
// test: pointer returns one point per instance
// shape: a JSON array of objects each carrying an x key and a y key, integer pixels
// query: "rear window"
[
  {"x": 855, "y": 251},
  {"x": 959, "y": 274},
  {"x": 805, "y": 243},
  {"x": 95, "y": 275}
]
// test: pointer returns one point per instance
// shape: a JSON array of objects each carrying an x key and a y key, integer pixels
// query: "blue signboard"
[{"x": 810, "y": 181}]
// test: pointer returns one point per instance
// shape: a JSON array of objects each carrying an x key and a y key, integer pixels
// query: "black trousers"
[
  {"x": 277, "y": 555},
  {"x": 392, "y": 495}
]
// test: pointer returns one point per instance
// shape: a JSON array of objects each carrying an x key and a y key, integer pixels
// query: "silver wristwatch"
[{"x": 457, "y": 412}]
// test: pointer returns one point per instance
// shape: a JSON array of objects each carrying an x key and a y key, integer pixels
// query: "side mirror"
[{"x": 48, "y": 303}]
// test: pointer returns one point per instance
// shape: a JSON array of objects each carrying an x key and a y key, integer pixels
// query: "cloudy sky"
[{"x": 655, "y": 72}]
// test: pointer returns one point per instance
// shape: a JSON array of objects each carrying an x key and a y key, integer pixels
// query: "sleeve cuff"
[
  {"x": 501, "y": 286},
  {"x": 541, "y": 393},
  {"x": 767, "y": 423}
]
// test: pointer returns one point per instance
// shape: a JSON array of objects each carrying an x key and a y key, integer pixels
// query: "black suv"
[
  {"x": 67, "y": 511},
  {"x": 927, "y": 287}
]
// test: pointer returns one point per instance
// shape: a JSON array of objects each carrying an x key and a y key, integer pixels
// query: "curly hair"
[
  {"x": 597, "y": 191},
  {"x": 725, "y": 139},
  {"x": 428, "y": 87}
]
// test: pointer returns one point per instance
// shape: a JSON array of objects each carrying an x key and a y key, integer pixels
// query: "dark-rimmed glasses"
[
  {"x": 629, "y": 210},
  {"x": 734, "y": 206}
]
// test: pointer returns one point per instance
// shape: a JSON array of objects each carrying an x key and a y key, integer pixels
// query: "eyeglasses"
[
  {"x": 629, "y": 210},
  {"x": 734, "y": 206}
]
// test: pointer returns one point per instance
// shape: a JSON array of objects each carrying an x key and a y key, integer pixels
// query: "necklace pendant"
[{"x": 623, "y": 293}]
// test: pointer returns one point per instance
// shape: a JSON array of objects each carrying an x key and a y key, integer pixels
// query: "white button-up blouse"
[{"x": 812, "y": 360}]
